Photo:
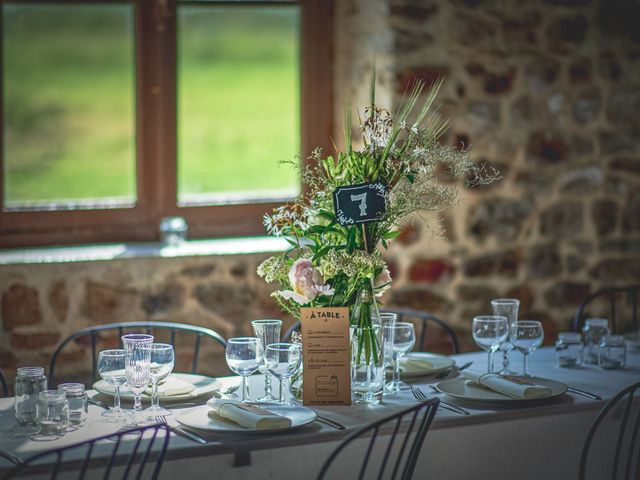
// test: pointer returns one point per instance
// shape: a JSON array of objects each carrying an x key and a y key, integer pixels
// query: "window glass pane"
[
  {"x": 238, "y": 103},
  {"x": 69, "y": 112}
]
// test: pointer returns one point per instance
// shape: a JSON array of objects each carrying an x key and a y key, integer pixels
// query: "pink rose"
[{"x": 306, "y": 282}]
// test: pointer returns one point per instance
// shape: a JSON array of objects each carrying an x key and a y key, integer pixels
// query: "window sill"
[{"x": 90, "y": 253}]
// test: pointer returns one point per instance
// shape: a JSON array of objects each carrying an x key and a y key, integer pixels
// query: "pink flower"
[
  {"x": 382, "y": 282},
  {"x": 306, "y": 282}
]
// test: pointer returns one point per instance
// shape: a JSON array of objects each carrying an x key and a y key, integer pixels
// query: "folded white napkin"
[
  {"x": 172, "y": 386},
  {"x": 412, "y": 363},
  {"x": 248, "y": 416},
  {"x": 514, "y": 388}
]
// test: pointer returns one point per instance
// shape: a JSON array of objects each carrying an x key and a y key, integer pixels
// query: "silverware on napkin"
[
  {"x": 184, "y": 433},
  {"x": 419, "y": 395}
]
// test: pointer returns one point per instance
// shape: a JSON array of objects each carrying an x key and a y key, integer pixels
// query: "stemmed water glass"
[
  {"x": 526, "y": 336},
  {"x": 137, "y": 347},
  {"x": 162, "y": 362},
  {"x": 400, "y": 337},
  {"x": 283, "y": 361},
  {"x": 489, "y": 332},
  {"x": 111, "y": 367},
  {"x": 244, "y": 356},
  {"x": 268, "y": 331},
  {"x": 506, "y": 307}
]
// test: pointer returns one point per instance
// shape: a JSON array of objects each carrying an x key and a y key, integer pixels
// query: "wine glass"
[
  {"x": 111, "y": 367},
  {"x": 244, "y": 356},
  {"x": 401, "y": 338},
  {"x": 526, "y": 336},
  {"x": 506, "y": 307},
  {"x": 162, "y": 361},
  {"x": 268, "y": 331},
  {"x": 137, "y": 348},
  {"x": 283, "y": 361},
  {"x": 489, "y": 332}
]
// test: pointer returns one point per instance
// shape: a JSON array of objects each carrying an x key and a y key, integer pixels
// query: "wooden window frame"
[{"x": 156, "y": 138}]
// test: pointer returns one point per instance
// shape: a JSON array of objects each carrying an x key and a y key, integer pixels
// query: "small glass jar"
[
  {"x": 613, "y": 352},
  {"x": 78, "y": 405},
  {"x": 29, "y": 382},
  {"x": 173, "y": 230},
  {"x": 569, "y": 349},
  {"x": 52, "y": 410},
  {"x": 594, "y": 330}
]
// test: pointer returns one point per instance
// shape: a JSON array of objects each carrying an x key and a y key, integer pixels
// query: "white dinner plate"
[
  {"x": 458, "y": 388},
  {"x": 198, "y": 417},
  {"x": 204, "y": 386},
  {"x": 632, "y": 339},
  {"x": 439, "y": 363}
]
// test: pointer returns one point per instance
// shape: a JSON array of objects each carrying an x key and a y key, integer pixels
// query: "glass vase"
[{"x": 367, "y": 355}]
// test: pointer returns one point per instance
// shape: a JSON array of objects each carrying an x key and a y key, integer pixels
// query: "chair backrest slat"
[
  {"x": 614, "y": 296},
  {"x": 196, "y": 352},
  {"x": 625, "y": 455},
  {"x": 4, "y": 388},
  {"x": 95, "y": 331},
  {"x": 423, "y": 411},
  {"x": 390, "y": 448},
  {"x": 149, "y": 434}
]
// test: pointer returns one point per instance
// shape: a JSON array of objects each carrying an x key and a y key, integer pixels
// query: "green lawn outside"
[{"x": 69, "y": 104}]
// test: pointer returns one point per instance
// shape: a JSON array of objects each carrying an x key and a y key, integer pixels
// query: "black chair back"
[
  {"x": 617, "y": 427},
  {"x": 93, "y": 334},
  {"x": 422, "y": 319},
  {"x": 136, "y": 453},
  {"x": 393, "y": 445},
  {"x": 4, "y": 388},
  {"x": 614, "y": 297}
]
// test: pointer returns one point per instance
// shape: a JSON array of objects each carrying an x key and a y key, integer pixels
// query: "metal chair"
[
  {"x": 614, "y": 296},
  {"x": 424, "y": 319},
  {"x": 625, "y": 448},
  {"x": 124, "y": 454},
  {"x": 4, "y": 388},
  {"x": 386, "y": 458},
  {"x": 148, "y": 327}
]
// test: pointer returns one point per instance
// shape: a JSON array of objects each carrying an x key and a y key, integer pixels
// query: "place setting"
[
  {"x": 275, "y": 410},
  {"x": 503, "y": 332}
]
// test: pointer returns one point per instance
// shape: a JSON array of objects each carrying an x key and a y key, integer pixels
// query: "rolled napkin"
[
  {"x": 511, "y": 387},
  {"x": 172, "y": 386},
  {"x": 248, "y": 416},
  {"x": 413, "y": 363}
]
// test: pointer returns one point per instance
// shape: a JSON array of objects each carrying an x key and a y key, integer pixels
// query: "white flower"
[
  {"x": 382, "y": 282},
  {"x": 306, "y": 282}
]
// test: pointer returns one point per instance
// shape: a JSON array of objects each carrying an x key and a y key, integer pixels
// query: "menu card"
[{"x": 326, "y": 356}]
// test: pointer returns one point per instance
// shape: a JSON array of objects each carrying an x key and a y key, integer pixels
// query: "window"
[{"x": 116, "y": 114}]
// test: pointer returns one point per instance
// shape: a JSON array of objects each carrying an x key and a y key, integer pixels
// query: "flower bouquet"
[{"x": 334, "y": 259}]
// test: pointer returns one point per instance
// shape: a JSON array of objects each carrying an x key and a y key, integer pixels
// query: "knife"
[
  {"x": 592, "y": 396},
  {"x": 189, "y": 435}
]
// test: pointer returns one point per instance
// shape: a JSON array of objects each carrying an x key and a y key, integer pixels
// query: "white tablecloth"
[{"x": 533, "y": 442}]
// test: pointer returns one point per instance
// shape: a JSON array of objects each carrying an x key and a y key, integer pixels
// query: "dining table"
[{"x": 495, "y": 440}]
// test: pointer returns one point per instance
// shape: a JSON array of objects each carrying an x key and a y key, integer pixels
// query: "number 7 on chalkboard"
[{"x": 361, "y": 203}]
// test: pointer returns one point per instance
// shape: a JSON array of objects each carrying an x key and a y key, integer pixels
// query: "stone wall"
[{"x": 546, "y": 90}]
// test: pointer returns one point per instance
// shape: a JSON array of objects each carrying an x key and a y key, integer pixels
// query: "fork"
[
  {"x": 181, "y": 432},
  {"x": 419, "y": 395}
]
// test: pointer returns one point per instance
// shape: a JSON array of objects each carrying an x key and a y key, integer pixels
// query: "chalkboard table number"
[{"x": 361, "y": 203}]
